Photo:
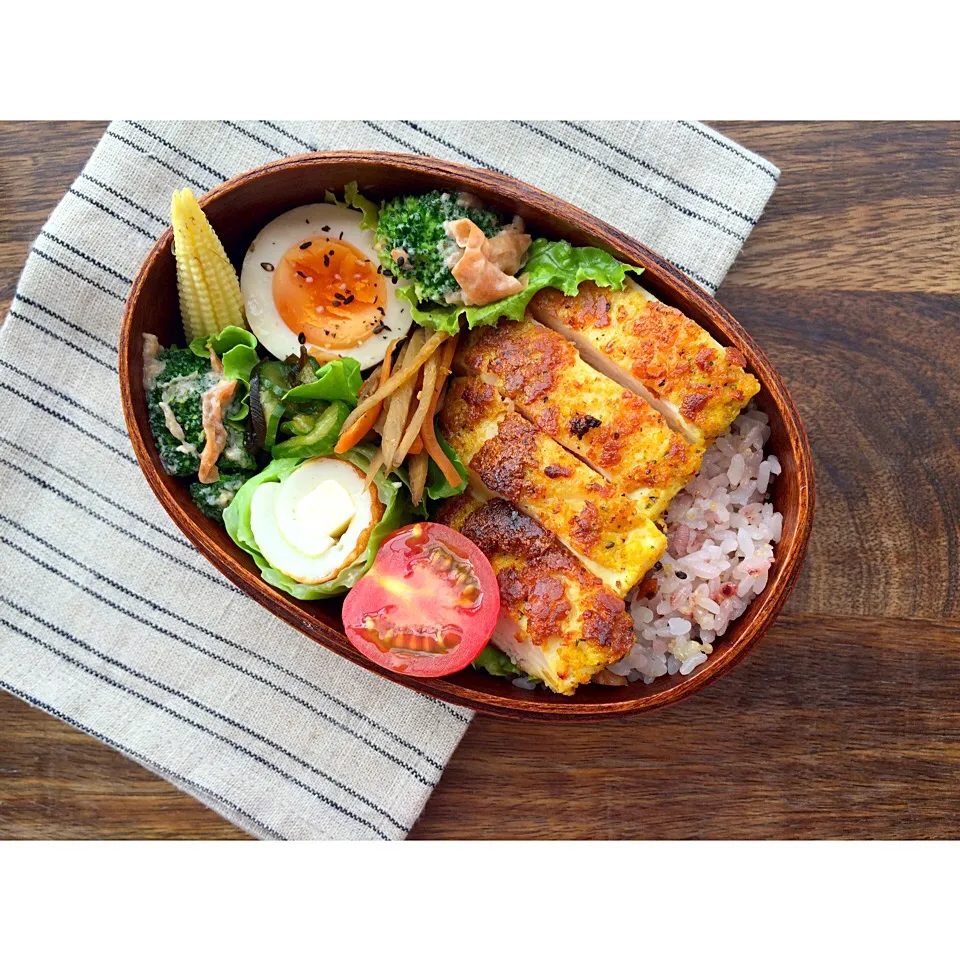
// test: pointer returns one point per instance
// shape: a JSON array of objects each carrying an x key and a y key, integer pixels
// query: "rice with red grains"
[{"x": 721, "y": 529}]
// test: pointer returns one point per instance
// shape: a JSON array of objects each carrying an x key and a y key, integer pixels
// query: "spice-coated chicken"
[
  {"x": 558, "y": 622},
  {"x": 655, "y": 351},
  {"x": 509, "y": 457},
  {"x": 613, "y": 430}
]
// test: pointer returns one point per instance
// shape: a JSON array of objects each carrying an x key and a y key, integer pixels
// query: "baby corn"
[{"x": 209, "y": 289}]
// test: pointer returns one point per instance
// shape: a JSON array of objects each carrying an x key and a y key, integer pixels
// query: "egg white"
[
  {"x": 287, "y": 231},
  {"x": 323, "y": 561}
]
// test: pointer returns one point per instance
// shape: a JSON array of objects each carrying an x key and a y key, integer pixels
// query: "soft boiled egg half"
[
  {"x": 316, "y": 521},
  {"x": 314, "y": 272}
]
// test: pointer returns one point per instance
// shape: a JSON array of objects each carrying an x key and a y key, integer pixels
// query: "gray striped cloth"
[{"x": 109, "y": 618}]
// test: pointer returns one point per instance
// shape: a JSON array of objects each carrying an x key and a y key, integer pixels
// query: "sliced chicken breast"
[
  {"x": 655, "y": 351},
  {"x": 610, "y": 428},
  {"x": 558, "y": 622},
  {"x": 509, "y": 457}
]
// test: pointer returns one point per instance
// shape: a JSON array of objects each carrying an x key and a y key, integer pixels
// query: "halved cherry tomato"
[{"x": 427, "y": 606}]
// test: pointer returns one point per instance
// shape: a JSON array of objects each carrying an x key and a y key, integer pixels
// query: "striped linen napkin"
[{"x": 109, "y": 618}]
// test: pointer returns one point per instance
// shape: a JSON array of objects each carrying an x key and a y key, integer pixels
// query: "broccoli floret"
[
  {"x": 415, "y": 225},
  {"x": 175, "y": 456},
  {"x": 214, "y": 498},
  {"x": 179, "y": 386},
  {"x": 178, "y": 362}
]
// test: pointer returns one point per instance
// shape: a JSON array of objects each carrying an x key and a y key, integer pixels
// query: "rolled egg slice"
[
  {"x": 317, "y": 521},
  {"x": 313, "y": 271}
]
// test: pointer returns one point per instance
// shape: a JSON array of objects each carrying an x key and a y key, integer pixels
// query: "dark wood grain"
[
  {"x": 832, "y": 728},
  {"x": 237, "y": 210},
  {"x": 843, "y": 722},
  {"x": 38, "y": 162}
]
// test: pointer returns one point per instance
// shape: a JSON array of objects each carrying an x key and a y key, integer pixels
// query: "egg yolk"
[{"x": 330, "y": 292}]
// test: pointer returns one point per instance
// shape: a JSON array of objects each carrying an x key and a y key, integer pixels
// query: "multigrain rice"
[{"x": 721, "y": 529}]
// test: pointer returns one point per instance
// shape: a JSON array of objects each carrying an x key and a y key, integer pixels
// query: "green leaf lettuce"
[
  {"x": 237, "y": 349},
  {"x": 353, "y": 198},
  {"x": 336, "y": 380},
  {"x": 552, "y": 263}
]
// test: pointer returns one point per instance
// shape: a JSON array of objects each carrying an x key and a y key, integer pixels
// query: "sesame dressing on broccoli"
[
  {"x": 176, "y": 393},
  {"x": 413, "y": 225},
  {"x": 214, "y": 498}
]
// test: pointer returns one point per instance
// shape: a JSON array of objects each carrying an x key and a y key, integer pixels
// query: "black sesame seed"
[
  {"x": 301, "y": 338},
  {"x": 383, "y": 312},
  {"x": 300, "y": 273},
  {"x": 393, "y": 280},
  {"x": 303, "y": 246},
  {"x": 380, "y": 328},
  {"x": 268, "y": 267},
  {"x": 348, "y": 300},
  {"x": 341, "y": 234},
  {"x": 399, "y": 261},
  {"x": 387, "y": 273},
  {"x": 379, "y": 270},
  {"x": 679, "y": 574},
  {"x": 326, "y": 229},
  {"x": 326, "y": 260}
]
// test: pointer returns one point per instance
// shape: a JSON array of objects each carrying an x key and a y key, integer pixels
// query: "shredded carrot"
[
  {"x": 432, "y": 446},
  {"x": 428, "y": 433},
  {"x": 417, "y": 446},
  {"x": 399, "y": 378},
  {"x": 350, "y": 438},
  {"x": 397, "y": 405},
  {"x": 427, "y": 389}
]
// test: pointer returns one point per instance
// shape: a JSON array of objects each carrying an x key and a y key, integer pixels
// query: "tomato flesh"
[{"x": 427, "y": 606}]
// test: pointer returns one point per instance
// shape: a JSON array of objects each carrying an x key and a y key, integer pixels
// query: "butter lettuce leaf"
[
  {"x": 224, "y": 341},
  {"x": 336, "y": 380},
  {"x": 396, "y": 512},
  {"x": 237, "y": 349},
  {"x": 496, "y": 663},
  {"x": 552, "y": 263},
  {"x": 437, "y": 487},
  {"x": 353, "y": 198},
  {"x": 370, "y": 210}
]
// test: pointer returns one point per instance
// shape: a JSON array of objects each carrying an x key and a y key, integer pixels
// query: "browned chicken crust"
[
  {"x": 618, "y": 433},
  {"x": 508, "y": 456},
  {"x": 558, "y": 621},
  {"x": 656, "y": 350}
]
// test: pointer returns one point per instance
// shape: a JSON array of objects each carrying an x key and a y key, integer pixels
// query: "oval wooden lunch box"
[{"x": 241, "y": 206}]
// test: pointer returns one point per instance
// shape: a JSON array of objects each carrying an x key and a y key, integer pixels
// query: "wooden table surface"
[{"x": 845, "y": 721}]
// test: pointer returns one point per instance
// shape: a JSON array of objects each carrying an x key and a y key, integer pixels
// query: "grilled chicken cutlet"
[
  {"x": 654, "y": 350},
  {"x": 508, "y": 456},
  {"x": 612, "y": 429},
  {"x": 557, "y": 620}
]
